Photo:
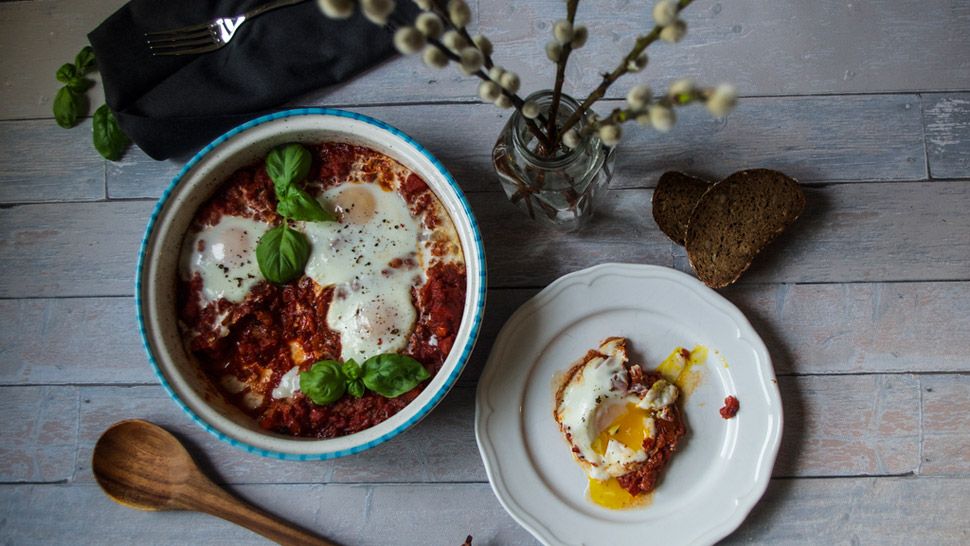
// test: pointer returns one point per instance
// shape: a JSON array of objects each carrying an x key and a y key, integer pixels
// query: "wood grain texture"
[
  {"x": 859, "y": 510},
  {"x": 350, "y": 515},
  {"x": 71, "y": 341},
  {"x": 947, "y": 119},
  {"x": 817, "y": 48},
  {"x": 85, "y": 249},
  {"x": 38, "y": 434},
  {"x": 849, "y": 426},
  {"x": 946, "y": 436},
  {"x": 36, "y": 38},
  {"x": 835, "y": 426},
  {"x": 809, "y": 329},
  {"x": 851, "y": 232},
  {"x": 860, "y": 328},
  {"x": 859, "y": 233},
  {"x": 814, "y": 139},
  {"x": 143, "y": 466},
  {"x": 440, "y": 449},
  {"x": 30, "y": 172}
]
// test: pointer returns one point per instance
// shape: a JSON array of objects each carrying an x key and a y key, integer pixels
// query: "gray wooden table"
[{"x": 865, "y": 306}]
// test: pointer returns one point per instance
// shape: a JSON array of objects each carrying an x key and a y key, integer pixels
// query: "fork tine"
[
  {"x": 179, "y": 30},
  {"x": 191, "y": 51},
  {"x": 180, "y": 37},
  {"x": 182, "y": 44}
]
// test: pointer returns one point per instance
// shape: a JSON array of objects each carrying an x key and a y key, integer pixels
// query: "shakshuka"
[{"x": 386, "y": 276}]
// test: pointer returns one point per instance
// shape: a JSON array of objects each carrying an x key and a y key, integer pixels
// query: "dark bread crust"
[
  {"x": 674, "y": 200},
  {"x": 736, "y": 219}
]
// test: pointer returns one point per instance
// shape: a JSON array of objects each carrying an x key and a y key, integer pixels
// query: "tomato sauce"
[
  {"x": 245, "y": 348},
  {"x": 731, "y": 407},
  {"x": 660, "y": 447}
]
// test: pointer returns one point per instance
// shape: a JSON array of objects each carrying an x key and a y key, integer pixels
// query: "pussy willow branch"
[
  {"x": 551, "y": 128},
  {"x": 621, "y": 69},
  {"x": 516, "y": 100},
  {"x": 622, "y": 115},
  {"x": 443, "y": 15}
]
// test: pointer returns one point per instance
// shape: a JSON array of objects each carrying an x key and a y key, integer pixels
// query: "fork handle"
[{"x": 270, "y": 6}]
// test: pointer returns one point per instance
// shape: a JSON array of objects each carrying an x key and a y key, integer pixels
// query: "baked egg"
[{"x": 606, "y": 416}]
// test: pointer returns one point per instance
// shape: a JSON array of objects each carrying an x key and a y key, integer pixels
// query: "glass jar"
[{"x": 559, "y": 188}]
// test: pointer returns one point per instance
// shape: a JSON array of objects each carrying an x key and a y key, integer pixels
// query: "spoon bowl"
[{"x": 141, "y": 465}]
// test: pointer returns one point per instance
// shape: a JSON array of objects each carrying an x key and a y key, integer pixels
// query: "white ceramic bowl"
[{"x": 155, "y": 282}]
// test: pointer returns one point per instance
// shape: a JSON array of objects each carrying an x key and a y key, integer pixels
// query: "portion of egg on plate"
[{"x": 622, "y": 423}]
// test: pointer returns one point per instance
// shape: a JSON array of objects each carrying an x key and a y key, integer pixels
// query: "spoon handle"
[{"x": 214, "y": 500}]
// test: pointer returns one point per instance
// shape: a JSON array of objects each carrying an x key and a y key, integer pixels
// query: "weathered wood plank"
[
  {"x": 835, "y": 426},
  {"x": 811, "y": 138},
  {"x": 946, "y": 436},
  {"x": 859, "y": 511},
  {"x": 36, "y": 38},
  {"x": 137, "y": 175},
  {"x": 439, "y": 449},
  {"x": 884, "y": 511},
  {"x": 67, "y": 249},
  {"x": 852, "y": 328},
  {"x": 850, "y": 425},
  {"x": 850, "y": 232},
  {"x": 826, "y": 47},
  {"x": 38, "y": 434},
  {"x": 350, "y": 515},
  {"x": 863, "y": 233},
  {"x": 947, "y": 119},
  {"x": 40, "y": 161},
  {"x": 521, "y": 252},
  {"x": 809, "y": 329},
  {"x": 71, "y": 341}
]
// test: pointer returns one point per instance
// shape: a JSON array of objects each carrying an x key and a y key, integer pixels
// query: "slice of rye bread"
[
  {"x": 674, "y": 200},
  {"x": 736, "y": 219}
]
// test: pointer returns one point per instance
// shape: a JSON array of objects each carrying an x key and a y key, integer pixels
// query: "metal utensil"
[{"x": 205, "y": 37}]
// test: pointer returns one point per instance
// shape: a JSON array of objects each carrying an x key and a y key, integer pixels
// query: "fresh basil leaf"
[
  {"x": 351, "y": 369},
  {"x": 392, "y": 375},
  {"x": 282, "y": 253},
  {"x": 84, "y": 60},
  {"x": 67, "y": 108},
  {"x": 79, "y": 85},
  {"x": 66, "y": 73},
  {"x": 108, "y": 138},
  {"x": 356, "y": 388},
  {"x": 285, "y": 165},
  {"x": 323, "y": 383},
  {"x": 297, "y": 204}
]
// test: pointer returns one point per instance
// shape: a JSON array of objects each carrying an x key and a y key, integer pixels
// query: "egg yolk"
[
  {"x": 630, "y": 429},
  {"x": 356, "y": 205},
  {"x": 678, "y": 367},
  {"x": 609, "y": 494}
]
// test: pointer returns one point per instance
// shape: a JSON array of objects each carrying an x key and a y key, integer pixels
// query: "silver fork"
[{"x": 205, "y": 37}]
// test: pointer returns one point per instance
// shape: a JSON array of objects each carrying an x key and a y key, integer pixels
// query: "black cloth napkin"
[{"x": 173, "y": 105}]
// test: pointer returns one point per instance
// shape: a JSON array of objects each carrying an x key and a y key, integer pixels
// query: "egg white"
[
  {"x": 595, "y": 396},
  {"x": 224, "y": 255},
  {"x": 372, "y": 308}
]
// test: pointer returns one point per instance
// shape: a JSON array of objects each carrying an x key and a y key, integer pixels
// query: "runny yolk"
[
  {"x": 609, "y": 494},
  {"x": 678, "y": 368},
  {"x": 630, "y": 429}
]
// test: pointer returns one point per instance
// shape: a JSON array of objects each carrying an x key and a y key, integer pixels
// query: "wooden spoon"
[{"x": 142, "y": 466}]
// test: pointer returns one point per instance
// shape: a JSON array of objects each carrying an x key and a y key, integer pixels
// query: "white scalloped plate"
[{"x": 711, "y": 484}]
